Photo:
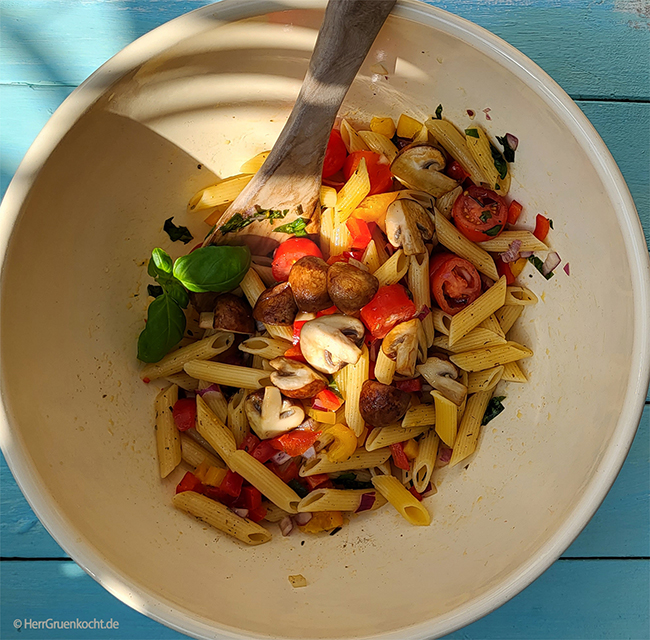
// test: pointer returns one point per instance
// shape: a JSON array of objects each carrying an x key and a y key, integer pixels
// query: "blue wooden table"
[{"x": 599, "y": 52}]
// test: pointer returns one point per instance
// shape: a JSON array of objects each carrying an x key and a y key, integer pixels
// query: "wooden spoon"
[{"x": 290, "y": 178}]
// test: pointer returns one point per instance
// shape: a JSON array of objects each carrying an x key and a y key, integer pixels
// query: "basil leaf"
[
  {"x": 349, "y": 481},
  {"x": 485, "y": 216},
  {"x": 213, "y": 268},
  {"x": 472, "y": 133},
  {"x": 177, "y": 292},
  {"x": 154, "y": 290},
  {"x": 298, "y": 487},
  {"x": 297, "y": 227},
  {"x": 499, "y": 163},
  {"x": 508, "y": 151},
  {"x": 177, "y": 233},
  {"x": 238, "y": 221},
  {"x": 164, "y": 330},
  {"x": 494, "y": 231},
  {"x": 160, "y": 264},
  {"x": 538, "y": 264},
  {"x": 493, "y": 409},
  {"x": 335, "y": 388},
  {"x": 439, "y": 112}
]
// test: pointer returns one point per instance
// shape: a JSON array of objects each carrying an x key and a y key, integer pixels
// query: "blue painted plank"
[
  {"x": 573, "y": 600},
  {"x": 593, "y": 49}
]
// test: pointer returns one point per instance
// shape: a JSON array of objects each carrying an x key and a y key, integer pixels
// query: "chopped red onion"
[
  {"x": 513, "y": 141},
  {"x": 212, "y": 387},
  {"x": 367, "y": 501},
  {"x": 308, "y": 423},
  {"x": 470, "y": 113},
  {"x": 430, "y": 491},
  {"x": 551, "y": 263},
  {"x": 487, "y": 282},
  {"x": 526, "y": 254},
  {"x": 512, "y": 253},
  {"x": 242, "y": 513},
  {"x": 566, "y": 269},
  {"x": 424, "y": 313},
  {"x": 302, "y": 518},
  {"x": 280, "y": 457},
  {"x": 286, "y": 526},
  {"x": 309, "y": 454},
  {"x": 487, "y": 113},
  {"x": 444, "y": 456}
]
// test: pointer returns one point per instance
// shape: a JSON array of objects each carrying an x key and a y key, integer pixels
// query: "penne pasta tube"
[
  {"x": 194, "y": 454},
  {"x": 229, "y": 375},
  {"x": 221, "y": 517},
  {"x": 478, "y": 145},
  {"x": 473, "y": 314},
  {"x": 280, "y": 332},
  {"x": 252, "y": 286},
  {"x": 255, "y": 163},
  {"x": 265, "y": 273},
  {"x": 371, "y": 258},
  {"x": 484, "y": 380},
  {"x": 384, "y": 437},
  {"x": 420, "y": 287},
  {"x": 446, "y": 418},
  {"x": 380, "y": 244},
  {"x": 475, "y": 339},
  {"x": 223, "y": 193},
  {"x": 508, "y": 315},
  {"x": 337, "y": 500},
  {"x": 379, "y": 144},
  {"x": 425, "y": 460},
  {"x": 328, "y": 197},
  {"x": 265, "y": 347},
  {"x": 351, "y": 139},
  {"x": 356, "y": 375},
  {"x": 274, "y": 513},
  {"x": 492, "y": 324},
  {"x": 393, "y": 270},
  {"x": 470, "y": 427},
  {"x": 215, "y": 401},
  {"x": 403, "y": 500},
  {"x": 464, "y": 380},
  {"x": 520, "y": 296},
  {"x": 512, "y": 373},
  {"x": 457, "y": 243},
  {"x": 441, "y": 321},
  {"x": 237, "y": 420},
  {"x": 490, "y": 356},
  {"x": 183, "y": 381},
  {"x": 341, "y": 240},
  {"x": 326, "y": 231},
  {"x": 352, "y": 193},
  {"x": 384, "y": 368},
  {"x": 503, "y": 241},
  {"x": 264, "y": 480},
  {"x": 445, "y": 202},
  {"x": 359, "y": 460},
  {"x": 420, "y": 415},
  {"x": 202, "y": 350},
  {"x": 168, "y": 440},
  {"x": 215, "y": 432}
]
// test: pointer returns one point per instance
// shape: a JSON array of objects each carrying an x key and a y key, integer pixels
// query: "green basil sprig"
[{"x": 213, "y": 268}]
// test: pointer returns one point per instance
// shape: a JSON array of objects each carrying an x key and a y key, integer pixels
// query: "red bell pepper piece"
[
  {"x": 503, "y": 269},
  {"x": 264, "y": 451},
  {"x": 414, "y": 491},
  {"x": 250, "y": 498},
  {"x": 297, "y": 328},
  {"x": 316, "y": 480},
  {"x": 249, "y": 443},
  {"x": 326, "y": 400},
  {"x": 287, "y": 472},
  {"x": 514, "y": 211},
  {"x": 399, "y": 457},
  {"x": 360, "y": 233},
  {"x": 327, "y": 312},
  {"x": 190, "y": 483},
  {"x": 184, "y": 413},
  {"x": 231, "y": 485},
  {"x": 296, "y": 442},
  {"x": 390, "y": 306},
  {"x": 295, "y": 353},
  {"x": 357, "y": 254},
  {"x": 542, "y": 226},
  {"x": 257, "y": 514},
  {"x": 411, "y": 386}
]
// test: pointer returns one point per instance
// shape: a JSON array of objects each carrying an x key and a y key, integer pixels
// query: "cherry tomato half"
[
  {"x": 289, "y": 252},
  {"x": 480, "y": 214},
  {"x": 455, "y": 282},
  {"x": 335, "y": 154},
  {"x": 381, "y": 179}
]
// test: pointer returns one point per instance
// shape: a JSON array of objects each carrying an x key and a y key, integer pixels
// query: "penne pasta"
[
  {"x": 219, "y": 194},
  {"x": 265, "y": 273},
  {"x": 221, "y": 517},
  {"x": 455, "y": 241},
  {"x": 359, "y": 460},
  {"x": 380, "y": 244},
  {"x": 503, "y": 241},
  {"x": 280, "y": 332},
  {"x": 215, "y": 432},
  {"x": 475, "y": 339},
  {"x": 472, "y": 315},
  {"x": 352, "y": 193},
  {"x": 384, "y": 437},
  {"x": 446, "y": 418},
  {"x": 252, "y": 286},
  {"x": 425, "y": 460},
  {"x": 264, "y": 480},
  {"x": 441, "y": 321},
  {"x": 215, "y": 401},
  {"x": 229, "y": 375},
  {"x": 237, "y": 420},
  {"x": 490, "y": 356},
  {"x": 265, "y": 347},
  {"x": 255, "y": 163},
  {"x": 508, "y": 315},
  {"x": 326, "y": 231},
  {"x": 202, "y": 350},
  {"x": 194, "y": 454},
  {"x": 419, "y": 416},
  {"x": 274, "y": 513},
  {"x": 464, "y": 380},
  {"x": 379, "y": 144},
  {"x": 470, "y": 427},
  {"x": 338, "y": 500},
  {"x": 371, "y": 258},
  {"x": 512, "y": 373},
  {"x": 484, "y": 380},
  {"x": 420, "y": 287},
  {"x": 168, "y": 440},
  {"x": 445, "y": 202},
  {"x": 492, "y": 324},
  {"x": 403, "y": 500},
  {"x": 328, "y": 197},
  {"x": 183, "y": 381},
  {"x": 393, "y": 270},
  {"x": 351, "y": 139},
  {"x": 520, "y": 296},
  {"x": 479, "y": 148},
  {"x": 384, "y": 368},
  {"x": 356, "y": 375},
  {"x": 341, "y": 240}
]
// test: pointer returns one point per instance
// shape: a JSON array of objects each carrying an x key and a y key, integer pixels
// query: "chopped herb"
[
  {"x": 485, "y": 216},
  {"x": 238, "y": 221},
  {"x": 349, "y": 481},
  {"x": 298, "y": 487},
  {"x": 499, "y": 163},
  {"x": 439, "y": 112},
  {"x": 335, "y": 531},
  {"x": 297, "y": 227},
  {"x": 508, "y": 151},
  {"x": 335, "y": 388},
  {"x": 494, "y": 231},
  {"x": 177, "y": 233},
  {"x": 154, "y": 290},
  {"x": 493, "y": 409},
  {"x": 550, "y": 222},
  {"x": 538, "y": 264},
  {"x": 472, "y": 133}
]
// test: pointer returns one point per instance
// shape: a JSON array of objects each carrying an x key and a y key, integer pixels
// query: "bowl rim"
[{"x": 83, "y": 97}]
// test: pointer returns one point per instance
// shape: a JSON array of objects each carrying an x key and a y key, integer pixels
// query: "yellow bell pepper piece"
[
  {"x": 385, "y": 126},
  {"x": 411, "y": 448},
  {"x": 517, "y": 266},
  {"x": 323, "y": 521},
  {"x": 214, "y": 477},
  {"x": 344, "y": 445},
  {"x": 408, "y": 127},
  {"x": 201, "y": 470},
  {"x": 373, "y": 208}
]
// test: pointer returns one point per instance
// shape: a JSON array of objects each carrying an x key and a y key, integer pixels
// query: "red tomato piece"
[
  {"x": 455, "y": 282},
  {"x": 381, "y": 179},
  {"x": 390, "y": 306},
  {"x": 257, "y": 514},
  {"x": 456, "y": 172},
  {"x": 415, "y": 493},
  {"x": 295, "y": 353},
  {"x": 264, "y": 451},
  {"x": 411, "y": 386},
  {"x": 479, "y": 214},
  {"x": 249, "y": 443},
  {"x": 542, "y": 227},
  {"x": 335, "y": 154},
  {"x": 316, "y": 481},
  {"x": 296, "y": 442},
  {"x": 357, "y": 254},
  {"x": 327, "y": 400},
  {"x": 250, "y": 498},
  {"x": 399, "y": 457},
  {"x": 327, "y": 312},
  {"x": 232, "y": 483},
  {"x": 184, "y": 413},
  {"x": 503, "y": 269},
  {"x": 288, "y": 253},
  {"x": 360, "y": 233},
  {"x": 514, "y": 211},
  {"x": 287, "y": 472},
  {"x": 189, "y": 483},
  {"x": 297, "y": 328}
]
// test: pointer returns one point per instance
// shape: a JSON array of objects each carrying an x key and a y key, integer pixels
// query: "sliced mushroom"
[
  {"x": 350, "y": 288},
  {"x": 381, "y": 405},
  {"x": 308, "y": 280},
  {"x": 441, "y": 375},
  {"x": 276, "y": 306},
  {"x": 269, "y": 414},
  {"x": 231, "y": 313},
  {"x": 331, "y": 342},
  {"x": 419, "y": 166},
  {"x": 295, "y": 379},
  {"x": 408, "y": 225},
  {"x": 401, "y": 344}
]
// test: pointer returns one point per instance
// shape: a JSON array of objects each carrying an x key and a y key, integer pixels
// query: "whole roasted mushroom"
[
  {"x": 441, "y": 375},
  {"x": 269, "y": 414},
  {"x": 401, "y": 344},
  {"x": 231, "y": 313},
  {"x": 408, "y": 225},
  {"x": 349, "y": 287},
  {"x": 419, "y": 166},
  {"x": 331, "y": 342},
  {"x": 308, "y": 280},
  {"x": 276, "y": 306},
  {"x": 295, "y": 379},
  {"x": 381, "y": 405}
]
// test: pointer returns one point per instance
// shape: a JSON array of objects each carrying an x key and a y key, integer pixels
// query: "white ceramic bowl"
[{"x": 78, "y": 223}]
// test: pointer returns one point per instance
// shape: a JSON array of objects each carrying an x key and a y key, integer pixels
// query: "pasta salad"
[{"x": 338, "y": 373}]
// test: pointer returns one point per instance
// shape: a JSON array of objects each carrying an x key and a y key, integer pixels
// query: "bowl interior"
[{"x": 74, "y": 298}]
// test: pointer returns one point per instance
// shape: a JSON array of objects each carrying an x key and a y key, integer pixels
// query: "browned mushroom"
[
  {"x": 276, "y": 306},
  {"x": 381, "y": 404},
  {"x": 308, "y": 280},
  {"x": 350, "y": 288},
  {"x": 231, "y": 313},
  {"x": 295, "y": 379}
]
